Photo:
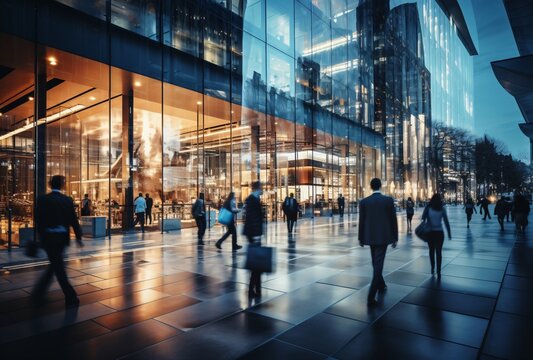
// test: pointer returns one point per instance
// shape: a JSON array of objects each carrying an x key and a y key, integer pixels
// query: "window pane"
[{"x": 140, "y": 16}]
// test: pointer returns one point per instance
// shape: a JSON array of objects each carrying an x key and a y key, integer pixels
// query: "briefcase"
[{"x": 259, "y": 258}]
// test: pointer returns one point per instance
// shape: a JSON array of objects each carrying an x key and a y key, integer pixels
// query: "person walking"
[
  {"x": 253, "y": 228},
  {"x": 500, "y": 210},
  {"x": 485, "y": 208},
  {"x": 140, "y": 207},
  {"x": 149, "y": 205},
  {"x": 521, "y": 211},
  {"x": 341, "y": 203},
  {"x": 54, "y": 215},
  {"x": 469, "y": 208},
  {"x": 290, "y": 208},
  {"x": 378, "y": 227},
  {"x": 434, "y": 214},
  {"x": 409, "y": 212},
  {"x": 198, "y": 212},
  {"x": 230, "y": 205},
  {"x": 86, "y": 206},
  {"x": 509, "y": 212}
]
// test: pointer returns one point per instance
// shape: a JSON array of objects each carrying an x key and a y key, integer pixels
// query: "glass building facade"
[
  {"x": 177, "y": 97},
  {"x": 450, "y": 64}
]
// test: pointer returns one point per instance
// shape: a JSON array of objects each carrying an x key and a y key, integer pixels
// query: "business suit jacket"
[
  {"x": 377, "y": 220},
  {"x": 53, "y": 210},
  {"x": 253, "y": 225}
]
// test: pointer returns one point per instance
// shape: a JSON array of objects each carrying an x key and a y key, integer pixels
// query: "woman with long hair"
[
  {"x": 230, "y": 205},
  {"x": 409, "y": 211},
  {"x": 434, "y": 214}
]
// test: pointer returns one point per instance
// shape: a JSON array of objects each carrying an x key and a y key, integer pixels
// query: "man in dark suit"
[
  {"x": 54, "y": 215},
  {"x": 290, "y": 208},
  {"x": 253, "y": 227},
  {"x": 378, "y": 228}
]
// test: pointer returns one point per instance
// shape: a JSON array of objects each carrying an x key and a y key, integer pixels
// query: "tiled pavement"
[{"x": 162, "y": 297}]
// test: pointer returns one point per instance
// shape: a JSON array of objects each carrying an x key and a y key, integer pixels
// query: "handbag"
[
  {"x": 259, "y": 258},
  {"x": 225, "y": 217},
  {"x": 423, "y": 230}
]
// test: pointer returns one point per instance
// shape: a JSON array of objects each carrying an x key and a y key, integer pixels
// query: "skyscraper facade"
[{"x": 178, "y": 97}]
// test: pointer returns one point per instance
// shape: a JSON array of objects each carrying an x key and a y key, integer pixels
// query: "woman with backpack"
[
  {"x": 435, "y": 214},
  {"x": 470, "y": 208}
]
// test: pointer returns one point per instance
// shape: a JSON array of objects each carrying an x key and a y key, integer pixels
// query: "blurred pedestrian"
[
  {"x": 341, "y": 203},
  {"x": 54, "y": 215},
  {"x": 469, "y": 208},
  {"x": 253, "y": 229},
  {"x": 86, "y": 205},
  {"x": 198, "y": 212},
  {"x": 484, "y": 204},
  {"x": 149, "y": 205},
  {"x": 521, "y": 211},
  {"x": 435, "y": 214},
  {"x": 500, "y": 211},
  {"x": 231, "y": 206},
  {"x": 290, "y": 208},
  {"x": 510, "y": 205},
  {"x": 378, "y": 227},
  {"x": 409, "y": 212},
  {"x": 140, "y": 207}
]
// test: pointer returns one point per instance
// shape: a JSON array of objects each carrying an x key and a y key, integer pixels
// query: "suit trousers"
[
  {"x": 149, "y": 216},
  {"x": 378, "y": 260},
  {"x": 290, "y": 224},
  {"x": 255, "y": 277},
  {"x": 54, "y": 249}
]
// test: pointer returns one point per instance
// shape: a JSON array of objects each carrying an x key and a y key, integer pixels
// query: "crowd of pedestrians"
[{"x": 378, "y": 228}]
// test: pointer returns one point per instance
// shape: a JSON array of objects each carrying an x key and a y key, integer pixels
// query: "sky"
[{"x": 496, "y": 112}]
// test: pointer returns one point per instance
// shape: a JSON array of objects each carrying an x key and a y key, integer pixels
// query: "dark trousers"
[
  {"x": 54, "y": 250},
  {"x": 149, "y": 216},
  {"x": 139, "y": 218},
  {"x": 201, "y": 222},
  {"x": 378, "y": 260},
  {"x": 290, "y": 224},
  {"x": 341, "y": 210},
  {"x": 435, "y": 242},
  {"x": 255, "y": 276},
  {"x": 487, "y": 213},
  {"x": 501, "y": 219},
  {"x": 231, "y": 230},
  {"x": 468, "y": 217}
]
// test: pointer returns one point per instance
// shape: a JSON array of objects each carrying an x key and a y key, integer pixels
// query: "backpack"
[{"x": 197, "y": 209}]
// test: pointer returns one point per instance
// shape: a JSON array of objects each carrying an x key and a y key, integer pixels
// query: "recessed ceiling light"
[
  {"x": 137, "y": 83},
  {"x": 52, "y": 61},
  {"x": 198, "y": 103},
  {"x": 30, "y": 98},
  {"x": 92, "y": 98}
]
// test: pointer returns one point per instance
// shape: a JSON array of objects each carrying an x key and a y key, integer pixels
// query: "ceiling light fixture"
[
  {"x": 30, "y": 98},
  {"x": 92, "y": 98},
  {"x": 52, "y": 61},
  {"x": 137, "y": 83}
]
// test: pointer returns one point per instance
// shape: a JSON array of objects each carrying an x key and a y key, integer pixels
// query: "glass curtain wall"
[
  {"x": 228, "y": 93},
  {"x": 17, "y": 135}
]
